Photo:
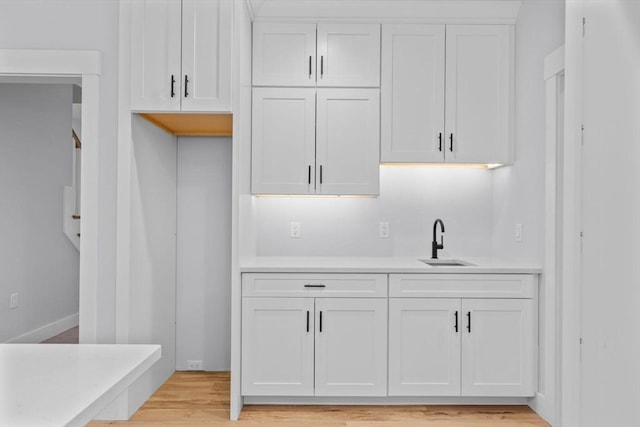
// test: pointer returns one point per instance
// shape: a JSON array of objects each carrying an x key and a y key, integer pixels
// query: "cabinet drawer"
[
  {"x": 314, "y": 285},
  {"x": 462, "y": 285}
]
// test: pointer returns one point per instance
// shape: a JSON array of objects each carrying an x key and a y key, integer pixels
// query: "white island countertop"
[
  {"x": 66, "y": 384},
  {"x": 350, "y": 264}
]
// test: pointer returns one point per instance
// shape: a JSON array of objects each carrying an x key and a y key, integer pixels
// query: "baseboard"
[
  {"x": 47, "y": 331},
  {"x": 543, "y": 407},
  {"x": 387, "y": 400}
]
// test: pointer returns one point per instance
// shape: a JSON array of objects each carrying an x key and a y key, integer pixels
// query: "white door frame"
[
  {"x": 571, "y": 302},
  {"x": 87, "y": 65},
  {"x": 546, "y": 402}
]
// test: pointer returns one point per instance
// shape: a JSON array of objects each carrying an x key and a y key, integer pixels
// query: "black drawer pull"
[
  {"x": 313, "y": 286},
  {"x": 456, "y": 316},
  {"x": 469, "y": 321}
]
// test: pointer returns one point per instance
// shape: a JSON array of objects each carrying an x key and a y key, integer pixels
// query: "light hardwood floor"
[{"x": 202, "y": 399}]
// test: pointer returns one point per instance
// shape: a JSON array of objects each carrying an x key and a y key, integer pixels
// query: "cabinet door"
[
  {"x": 284, "y": 54},
  {"x": 412, "y": 91},
  {"x": 155, "y": 55},
  {"x": 277, "y": 346},
  {"x": 348, "y": 141},
  {"x": 478, "y": 93},
  {"x": 283, "y": 141},
  {"x": 424, "y": 347},
  {"x": 348, "y": 55},
  {"x": 206, "y": 55},
  {"x": 498, "y": 347},
  {"x": 351, "y": 347}
]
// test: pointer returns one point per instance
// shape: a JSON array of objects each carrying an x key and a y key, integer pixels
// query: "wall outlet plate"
[
  {"x": 13, "y": 301},
  {"x": 194, "y": 365},
  {"x": 518, "y": 234},
  {"x": 294, "y": 230},
  {"x": 383, "y": 230}
]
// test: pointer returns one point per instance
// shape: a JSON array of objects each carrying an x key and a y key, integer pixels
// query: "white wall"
[
  {"x": 203, "y": 298},
  {"x": 37, "y": 261},
  {"x": 610, "y": 279},
  {"x": 152, "y": 309},
  {"x": 519, "y": 189},
  {"x": 93, "y": 25},
  {"x": 411, "y": 198}
]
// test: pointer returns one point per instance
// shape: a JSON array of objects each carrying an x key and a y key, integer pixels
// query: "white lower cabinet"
[
  {"x": 314, "y": 345},
  {"x": 478, "y": 346},
  {"x": 351, "y": 347},
  {"x": 277, "y": 346},
  {"x": 471, "y": 335},
  {"x": 498, "y": 347},
  {"x": 424, "y": 347}
]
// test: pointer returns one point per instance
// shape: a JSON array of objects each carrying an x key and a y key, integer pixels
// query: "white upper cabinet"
[
  {"x": 412, "y": 93},
  {"x": 478, "y": 93},
  {"x": 315, "y": 143},
  {"x": 284, "y": 54},
  {"x": 156, "y": 28},
  {"x": 347, "y": 141},
  {"x": 328, "y": 55},
  {"x": 284, "y": 138},
  {"x": 456, "y": 109},
  {"x": 348, "y": 55},
  {"x": 181, "y": 55}
]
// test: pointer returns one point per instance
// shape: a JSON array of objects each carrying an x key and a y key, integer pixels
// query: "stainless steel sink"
[{"x": 445, "y": 262}]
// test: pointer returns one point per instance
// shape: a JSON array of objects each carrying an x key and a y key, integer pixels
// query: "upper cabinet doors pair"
[
  {"x": 446, "y": 93},
  {"x": 309, "y": 55},
  {"x": 181, "y": 55}
]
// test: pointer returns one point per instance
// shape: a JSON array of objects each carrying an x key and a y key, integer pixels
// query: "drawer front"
[
  {"x": 463, "y": 285},
  {"x": 314, "y": 285}
]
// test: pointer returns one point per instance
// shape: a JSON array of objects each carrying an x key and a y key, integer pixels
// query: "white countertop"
[
  {"x": 380, "y": 265},
  {"x": 66, "y": 384}
]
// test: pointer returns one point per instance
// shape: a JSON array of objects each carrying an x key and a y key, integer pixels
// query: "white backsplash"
[{"x": 411, "y": 198}]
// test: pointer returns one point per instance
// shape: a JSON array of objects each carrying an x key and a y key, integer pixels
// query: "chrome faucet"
[{"x": 434, "y": 245}]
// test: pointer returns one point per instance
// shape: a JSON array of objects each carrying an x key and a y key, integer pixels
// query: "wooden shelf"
[{"x": 192, "y": 124}]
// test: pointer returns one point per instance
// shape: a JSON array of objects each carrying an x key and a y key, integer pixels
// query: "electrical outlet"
[
  {"x": 294, "y": 230},
  {"x": 194, "y": 365},
  {"x": 13, "y": 301},
  {"x": 518, "y": 235},
  {"x": 383, "y": 230}
]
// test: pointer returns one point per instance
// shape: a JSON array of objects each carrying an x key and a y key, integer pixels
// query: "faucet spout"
[{"x": 434, "y": 244}]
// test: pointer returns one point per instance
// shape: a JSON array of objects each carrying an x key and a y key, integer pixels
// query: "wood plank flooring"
[{"x": 202, "y": 399}]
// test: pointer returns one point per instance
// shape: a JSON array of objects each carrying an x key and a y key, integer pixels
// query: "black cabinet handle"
[
  {"x": 321, "y": 66},
  {"x": 451, "y": 142},
  {"x": 456, "y": 316},
  {"x": 469, "y": 321},
  {"x": 309, "y": 66},
  {"x": 309, "y": 176},
  {"x": 173, "y": 85},
  {"x": 186, "y": 86},
  {"x": 440, "y": 142},
  {"x": 307, "y": 320},
  {"x": 321, "y": 321},
  {"x": 313, "y": 286},
  {"x": 320, "y": 174}
]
